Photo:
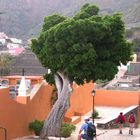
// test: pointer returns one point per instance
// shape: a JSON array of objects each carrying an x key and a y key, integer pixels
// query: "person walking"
[
  {"x": 88, "y": 129},
  {"x": 120, "y": 120},
  {"x": 132, "y": 120}
]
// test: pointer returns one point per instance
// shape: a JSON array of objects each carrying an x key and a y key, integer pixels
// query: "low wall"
[
  {"x": 12, "y": 80},
  {"x": 116, "y": 98},
  {"x": 16, "y": 114},
  {"x": 81, "y": 100},
  {"x": 15, "y": 117},
  {"x": 111, "y": 122}
]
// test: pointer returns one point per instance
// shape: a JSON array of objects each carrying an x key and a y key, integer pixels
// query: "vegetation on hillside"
[
  {"x": 4, "y": 64},
  {"x": 23, "y": 18},
  {"x": 133, "y": 34}
]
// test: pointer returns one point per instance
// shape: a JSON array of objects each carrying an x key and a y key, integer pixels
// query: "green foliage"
[
  {"x": 129, "y": 33},
  {"x": 87, "y": 11},
  {"x": 4, "y": 64},
  {"x": 32, "y": 16},
  {"x": 83, "y": 48},
  {"x": 51, "y": 21},
  {"x": 101, "y": 81},
  {"x": 95, "y": 114},
  {"x": 36, "y": 126},
  {"x": 134, "y": 35},
  {"x": 136, "y": 44},
  {"x": 66, "y": 130}
]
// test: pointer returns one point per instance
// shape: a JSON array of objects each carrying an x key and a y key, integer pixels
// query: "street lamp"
[{"x": 93, "y": 94}]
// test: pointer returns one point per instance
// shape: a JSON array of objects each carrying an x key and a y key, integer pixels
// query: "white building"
[
  {"x": 10, "y": 42},
  {"x": 14, "y": 43},
  {"x": 3, "y": 38}
]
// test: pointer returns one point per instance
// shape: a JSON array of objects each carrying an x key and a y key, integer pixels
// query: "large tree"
[{"x": 83, "y": 48}]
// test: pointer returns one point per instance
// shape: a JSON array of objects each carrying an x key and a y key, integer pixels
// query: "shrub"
[
  {"x": 66, "y": 130},
  {"x": 36, "y": 126},
  {"x": 95, "y": 114}
]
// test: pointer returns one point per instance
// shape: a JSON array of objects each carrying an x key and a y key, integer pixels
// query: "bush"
[
  {"x": 36, "y": 126},
  {"x": 95, "y": 114},
  {"x": 66, "y": 130}
]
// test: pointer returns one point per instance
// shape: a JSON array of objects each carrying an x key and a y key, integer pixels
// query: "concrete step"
[
  {"x": 75, "y": 119},
  {"x": 109, "y": 122}
]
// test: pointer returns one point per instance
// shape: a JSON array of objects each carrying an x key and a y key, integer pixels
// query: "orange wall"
[
  {"x": 19, "y": 115},
  {"x": 15, "y": 117},
  {"x": 13, "y": 79},
  {"x": 116, "y": 98},
  {"x": 81, "y": 99}
]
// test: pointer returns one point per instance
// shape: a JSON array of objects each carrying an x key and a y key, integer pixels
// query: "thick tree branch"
[{"x": 59, "y": 84}]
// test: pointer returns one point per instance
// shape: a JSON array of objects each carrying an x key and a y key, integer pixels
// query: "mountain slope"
[{"x": 23, "y": 18}]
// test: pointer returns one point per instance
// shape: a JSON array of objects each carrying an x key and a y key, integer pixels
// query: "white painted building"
[
  {"x": 2, "y": 41},
  {"x": 3, "y": 38},
  {"x": 13, "y": 45},
  {"x": 10, "y": 42},
  {"x": 16, "y": 41}
]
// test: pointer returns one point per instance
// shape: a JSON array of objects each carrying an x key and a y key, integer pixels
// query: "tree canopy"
[{"x": 84, "y": 47}]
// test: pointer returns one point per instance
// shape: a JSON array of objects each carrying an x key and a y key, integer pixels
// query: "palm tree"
[{"x": 4, "y": 64}]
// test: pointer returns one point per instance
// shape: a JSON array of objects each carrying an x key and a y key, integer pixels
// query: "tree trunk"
[{"x": 54, "y": 120}]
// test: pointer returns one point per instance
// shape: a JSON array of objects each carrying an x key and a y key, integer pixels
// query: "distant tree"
[
  {"x": 129, "y": 33},
  {"x": 136, "y": 44},
  {"x": 4, "y": 64},
  {"x": 83, "y": 48}
]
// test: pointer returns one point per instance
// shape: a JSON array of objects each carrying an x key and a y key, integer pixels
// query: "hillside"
[{"x": 23, "y": 18}]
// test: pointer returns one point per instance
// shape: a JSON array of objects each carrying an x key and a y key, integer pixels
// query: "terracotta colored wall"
[
  {"x": 81, "y": 99},
  {"x": 116, "y": 98},
  {"x": 15, "y": 116},
  {"x": 34, "y": 79},
  {"x": 19, "y": 115}
]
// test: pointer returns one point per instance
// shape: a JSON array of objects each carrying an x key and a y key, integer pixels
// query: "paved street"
[
  {"x": 111, "y": 134},
  {"x": 114, "y": 135}
]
